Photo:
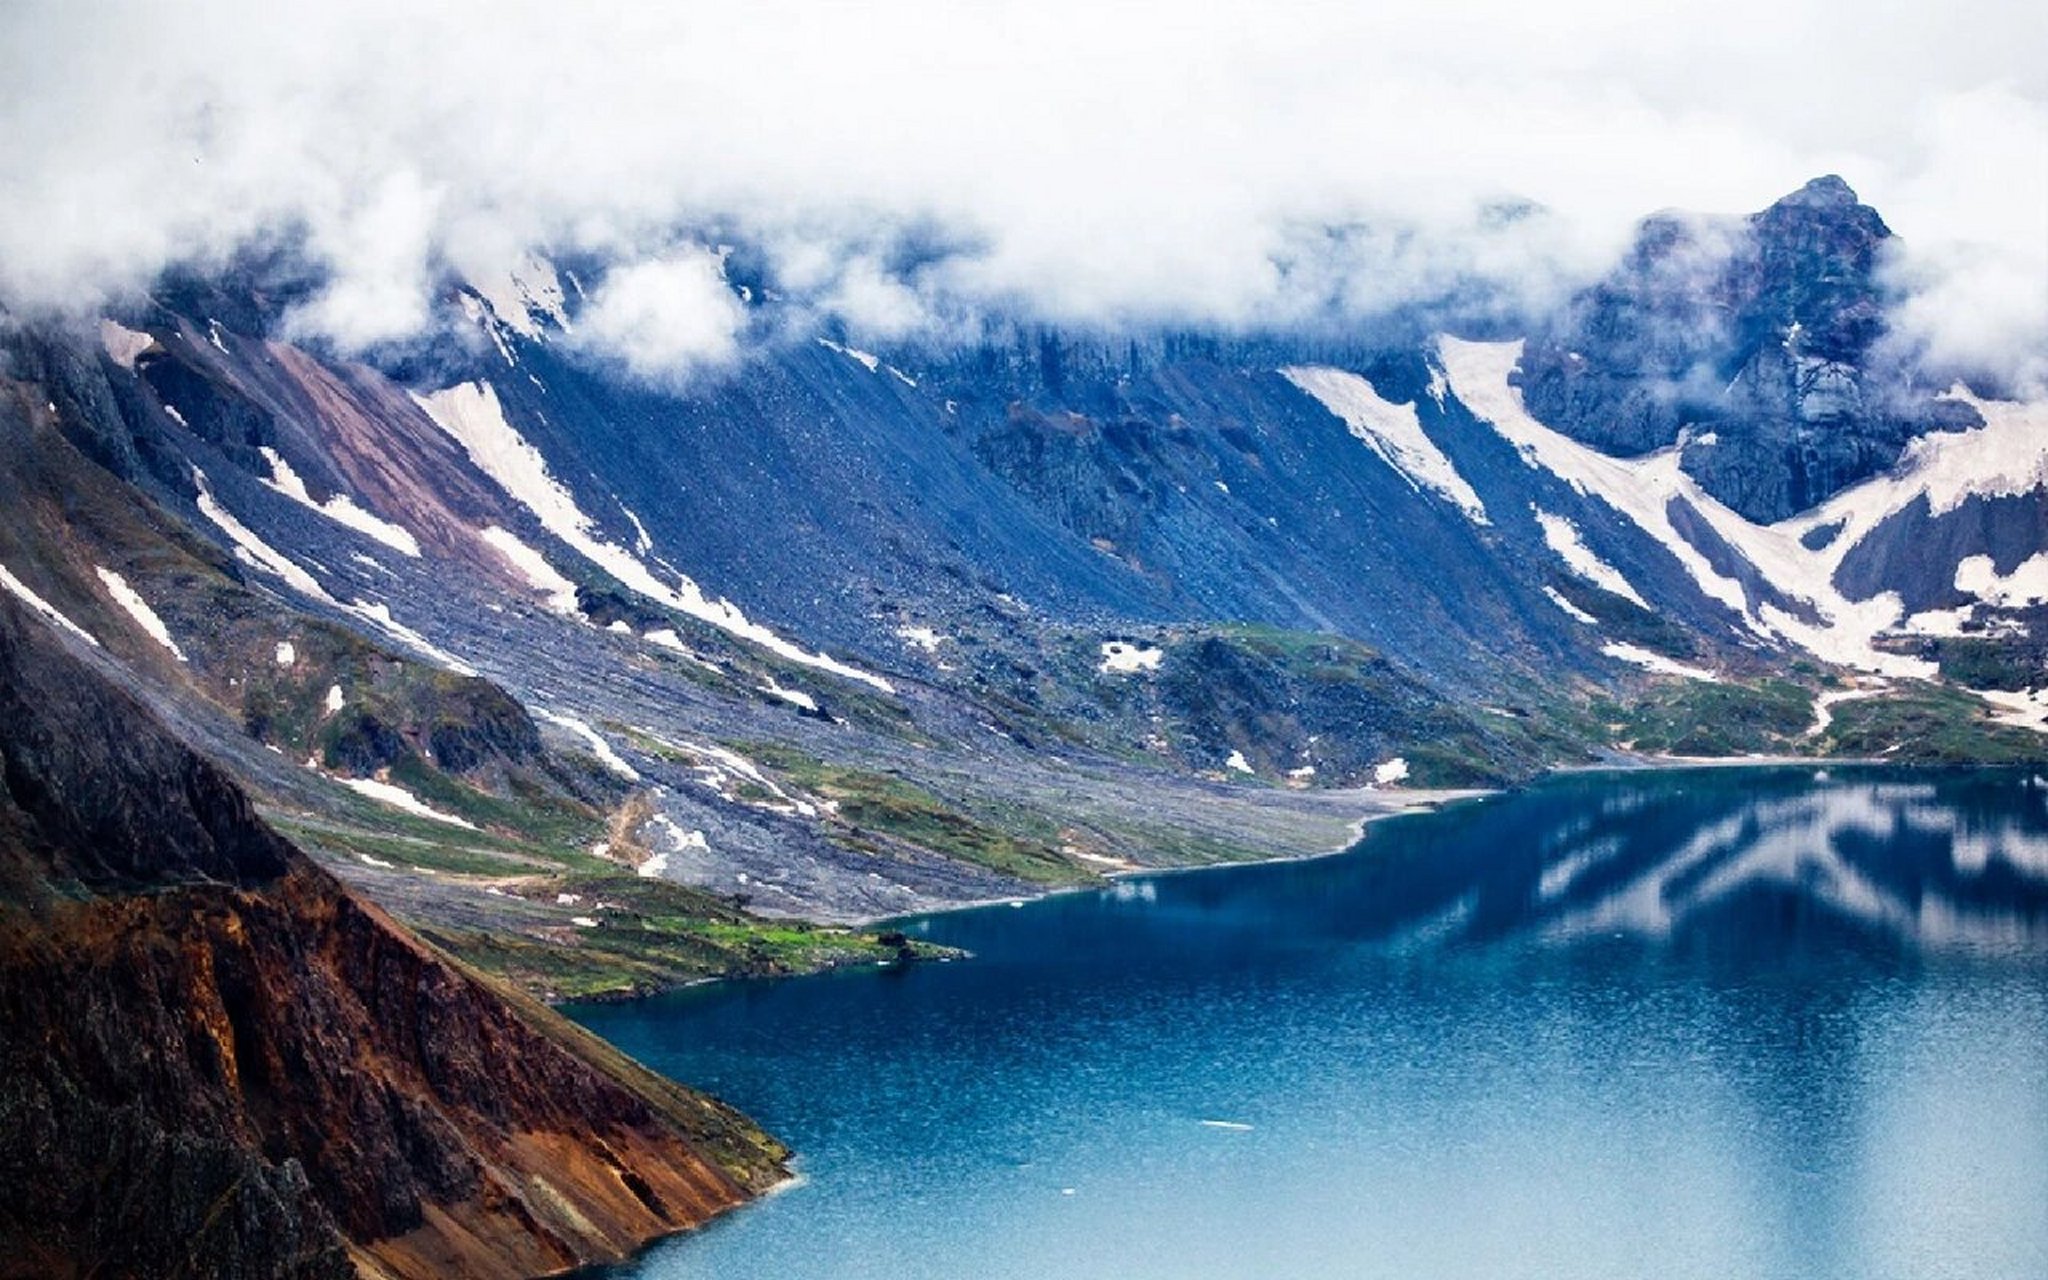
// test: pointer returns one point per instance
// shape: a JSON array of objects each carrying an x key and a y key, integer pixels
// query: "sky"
[{"x": 1115, "y": 164}]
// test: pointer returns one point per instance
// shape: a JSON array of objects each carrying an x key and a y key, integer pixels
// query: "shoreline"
[{"x": 1408, "y": 804}]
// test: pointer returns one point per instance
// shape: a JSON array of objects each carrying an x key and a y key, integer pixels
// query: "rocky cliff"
[
  {"x": 1758, "y": 344},
  {"x": 215, "y": 1061}
]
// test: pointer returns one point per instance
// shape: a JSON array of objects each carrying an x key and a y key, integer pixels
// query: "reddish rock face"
[{"x": 215, "y": 1061}]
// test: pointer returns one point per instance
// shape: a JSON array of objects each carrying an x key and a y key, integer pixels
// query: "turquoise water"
[{"x": 1712, "y": 1024}]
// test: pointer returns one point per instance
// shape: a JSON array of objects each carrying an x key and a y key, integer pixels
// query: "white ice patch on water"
[
  {"x": 339, "y": 508},
  {"x": 399, "y": 798},
  {"x": 470, "y": 413},
  {"x": 1642, "y": 489},
  {"x": 50, "y": 613},
  {"x": 1562, "y": 536},
  {"x": 138, "y": 609},
  {"x": 598, "y": 746},
  {"x": 1123, "y": 658},
  {"x": 1657, "y": 662},
  {"x": 1393, "y": 431},
  {"x": 531, "y": 565},
  {"x": 873, "y": 363}
]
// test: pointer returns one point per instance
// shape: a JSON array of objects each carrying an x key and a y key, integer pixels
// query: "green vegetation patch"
[
  {"x": 1930, "y": 724},
  {"x": 1698, "y": 718},
  {"x": 654, "y": 935},
  {"x": 1004, "y": 838}
]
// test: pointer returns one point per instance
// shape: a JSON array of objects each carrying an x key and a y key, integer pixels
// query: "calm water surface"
[{"x": 1713, "y": 1024}]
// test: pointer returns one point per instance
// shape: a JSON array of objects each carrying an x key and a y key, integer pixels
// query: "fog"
[{"x": 904, "y": 165}]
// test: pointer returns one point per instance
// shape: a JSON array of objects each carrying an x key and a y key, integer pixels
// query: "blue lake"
[{"x": 1734, "y": 1023}]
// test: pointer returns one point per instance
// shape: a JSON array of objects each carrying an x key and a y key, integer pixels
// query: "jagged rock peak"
[{"x": 1825, "y": 192}]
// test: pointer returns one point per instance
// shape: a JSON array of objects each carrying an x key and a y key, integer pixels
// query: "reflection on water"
[
  {"x": 1718, "y": 1024},
  {"x": 1757, "y": 860}
]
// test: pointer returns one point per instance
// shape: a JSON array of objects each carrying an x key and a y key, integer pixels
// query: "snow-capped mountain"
[{"x": 841, "y": 632}]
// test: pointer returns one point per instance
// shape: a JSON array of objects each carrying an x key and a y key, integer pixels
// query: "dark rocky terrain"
[{"x": 220, "y": 1062}]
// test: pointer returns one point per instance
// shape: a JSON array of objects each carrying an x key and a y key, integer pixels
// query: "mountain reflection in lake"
[{"x": 1727, "y": 1023}]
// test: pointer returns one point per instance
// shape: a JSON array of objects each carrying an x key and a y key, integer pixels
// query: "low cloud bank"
[{"x": 900, "y": 166}]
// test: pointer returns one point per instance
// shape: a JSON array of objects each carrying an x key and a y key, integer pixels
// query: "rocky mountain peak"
[
  {"x": 1829, "y": 191},
  {"x": 1760, "y": 333}
]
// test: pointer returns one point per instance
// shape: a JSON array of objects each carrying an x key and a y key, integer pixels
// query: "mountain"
[
  {"x": 220, "y": 1062},
  {"x": 1757, "y": 347},
  {"x": 599, "y": 684}
]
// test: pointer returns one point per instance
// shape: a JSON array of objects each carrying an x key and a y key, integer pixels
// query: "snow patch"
[
  {"x": 1657, "y": 662},
  {"x": 873, "y": 363},
  {"x": 287, "y": 653},
  {"x": 2027, "y": 709},
  {"x": 1238, "y": 763},
  {"x": 1122, "y": 658},
  {"x": 1642, "y": 490},
  {"x": 516, "y": 296},
  {"x": 1558, "y": 598},
  {"x": 470, "y": 413},
  {"x": 340, "y": 508},
  {"x": 598, "y": 746},
  {"x": 254, "y": 551},
  {"x": 794, "y": 697},
  {"x": 1390, "y": 772},
  {"x": 1562, "y": 536},
  {"x": 531, "y": 565},
  {"x": 1825, "y": 703},
  {"x": 1393, "y": 431},
  {"x": 921, "y": 637},
  {"x": 2027, "y": 584},
  {"x": 399, "y": 798},
  {"x": 138, "y": 609},
  {"x": 641, "y": 542},
  {"x": 335, "y": 700},
  {"x": 380, "y": 616},
  {"x": 50, "y": 612}
]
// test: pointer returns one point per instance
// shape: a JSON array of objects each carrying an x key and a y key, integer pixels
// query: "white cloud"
[
  {"x": 1152, "y": 160},
  {"x": 666, "y": 316}
]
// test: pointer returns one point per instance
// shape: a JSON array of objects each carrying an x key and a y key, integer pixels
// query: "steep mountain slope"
[
  {"x": 839, "y": 634},
  {"x": 219, "y": 1062}
]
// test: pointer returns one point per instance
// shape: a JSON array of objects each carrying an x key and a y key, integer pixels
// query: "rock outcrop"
[
  {"x": 215, "y": 1061},
  {"x": 1756, "y": 344}
]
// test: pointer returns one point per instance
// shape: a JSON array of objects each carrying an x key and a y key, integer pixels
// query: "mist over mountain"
[
  {"x": 1145, "y": 167},
  {"x": 534, "y": 505}
]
